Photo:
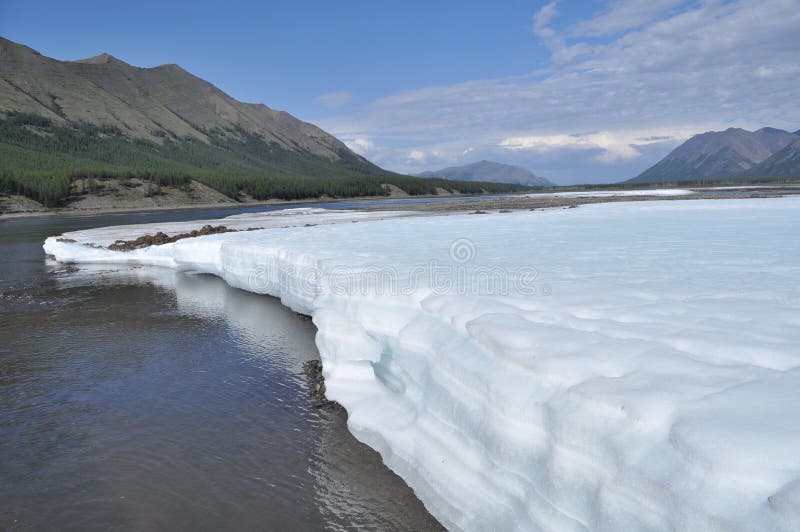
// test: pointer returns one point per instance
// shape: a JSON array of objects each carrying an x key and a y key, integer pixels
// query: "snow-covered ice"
[
  {"x": 639, "y": 370},
  {"x": 614, "y": 193},
  {"x": 739, "y": 187},
  {"x": 302, "y": 216}
]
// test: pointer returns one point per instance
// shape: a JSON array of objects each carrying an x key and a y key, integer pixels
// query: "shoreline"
[
  {"x": 65, "y": 212},
  {"x": 534, "y": 201},
  {"x": 459, "y": 202}
]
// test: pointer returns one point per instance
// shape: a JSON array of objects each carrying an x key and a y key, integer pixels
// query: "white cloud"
[
  {"x": 423, "y": 157},
  {"x": 561, "y": 52},
  {"x": 680, "y": 70},
  {"x": 612, "y": 146},
  {"x": 417, "y": 155},
  {"x": 360, "y": 145},
  {"x": 542, "y": 19},
  {"x": 336, "y": 99},
  {"x": 623, "y": 15},
  {"x": 546, "y": 142}
]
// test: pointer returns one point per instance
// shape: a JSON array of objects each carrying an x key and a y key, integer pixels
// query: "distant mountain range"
[
  {"x": 731, "y": 154},
  {"x": 492, "y": 172},
  {"x": 101, "y": 117}
]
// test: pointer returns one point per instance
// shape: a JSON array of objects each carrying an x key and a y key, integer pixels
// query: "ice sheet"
[
  {"x": 614, "y": 193},
  {"x": 639, "y": 368}
]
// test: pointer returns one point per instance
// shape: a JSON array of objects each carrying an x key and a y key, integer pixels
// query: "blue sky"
[
  {"x": 581, "y": 91},
  {"x": 287, "y": 54}
]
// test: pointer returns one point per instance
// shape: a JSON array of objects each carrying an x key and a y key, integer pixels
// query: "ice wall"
[{"x": 639, "y": 370}]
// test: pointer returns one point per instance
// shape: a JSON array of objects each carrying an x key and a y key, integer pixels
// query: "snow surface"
[
  {"x": 615, "y": 193},
  {"x": 303, "y": 216},
  {"x": 737, "y": 187},
  {"x": 648, "y": 377}
]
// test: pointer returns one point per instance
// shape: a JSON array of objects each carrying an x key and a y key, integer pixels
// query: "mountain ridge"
[
  {"x": 65, "y": 122},
  {"x": 718, "y": 155},
  {"x": 164, "y": 101},
  {"x": 490, "y": 171},
  {"x": 783, "y": 163}
]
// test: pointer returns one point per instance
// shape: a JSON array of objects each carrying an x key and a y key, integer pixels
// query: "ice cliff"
[{"x": 616, "y": 366}]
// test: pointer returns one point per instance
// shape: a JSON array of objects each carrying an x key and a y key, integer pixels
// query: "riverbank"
[
  {"x": 35, "y": 210},
  {"x": 553, "y": 200},
  {"x": 455, "y": 203}
]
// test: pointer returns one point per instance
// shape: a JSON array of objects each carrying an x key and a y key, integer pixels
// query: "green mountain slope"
[
  {"x": 147, "y": 103},
  {"x": 101, "y": 117}
]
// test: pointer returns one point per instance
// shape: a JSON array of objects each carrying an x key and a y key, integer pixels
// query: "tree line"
[{"x": 40, "y": 158}]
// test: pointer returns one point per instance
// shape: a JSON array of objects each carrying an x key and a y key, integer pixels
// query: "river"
[{"x": 143, "y": 398}]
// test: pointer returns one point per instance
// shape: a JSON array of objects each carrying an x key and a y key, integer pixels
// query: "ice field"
[{"x": 613, "y": 366}]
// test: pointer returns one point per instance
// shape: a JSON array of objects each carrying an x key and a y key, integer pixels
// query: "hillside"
[
  {"x": 717, "y": 155},
  {"x": 488, "y": 171},
  {"x": 783, "y": 163},
  {"x": 102, "y": 118},
  {"x": 145, "y": 103}
]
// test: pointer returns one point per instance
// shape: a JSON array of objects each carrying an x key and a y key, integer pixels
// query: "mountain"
[
  {"x": 489, "y": 171},
  {"x": 784, "y": 163},
  {"x": 145, "y": 103},
  {"x": 717, "y": 154},
  {"x": 100, "y": 117}
]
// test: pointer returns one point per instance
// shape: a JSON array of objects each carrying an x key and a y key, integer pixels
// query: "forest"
[{"x": 40, "y": 158}]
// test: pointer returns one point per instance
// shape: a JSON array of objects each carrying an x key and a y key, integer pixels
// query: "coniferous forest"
[{"x": 40, "y": 158}]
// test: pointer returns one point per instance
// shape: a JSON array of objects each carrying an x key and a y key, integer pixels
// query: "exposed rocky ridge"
[
  {"x": 148, "y": 103},
  {"x": 785, "y": 162},
  {"x": 719, "y": 154}
]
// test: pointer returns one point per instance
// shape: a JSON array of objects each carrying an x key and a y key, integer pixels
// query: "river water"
[{"x": 142, "y": 398}]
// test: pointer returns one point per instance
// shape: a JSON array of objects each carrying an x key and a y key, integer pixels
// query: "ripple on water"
[{"x": 145, "y": 398}]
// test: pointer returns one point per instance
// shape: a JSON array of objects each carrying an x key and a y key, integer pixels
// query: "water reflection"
[{"x": 140, "y": 397}]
